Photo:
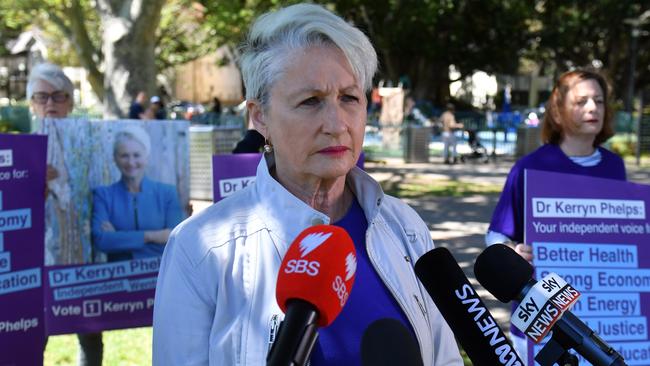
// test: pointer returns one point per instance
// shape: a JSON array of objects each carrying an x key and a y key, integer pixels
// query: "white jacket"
[{"x": 215, "y": 298}]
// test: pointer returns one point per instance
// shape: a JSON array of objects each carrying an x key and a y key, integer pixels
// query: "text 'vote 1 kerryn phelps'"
[
  {"x": 22, "y": 189},
  {"x": 594, "y": 234}
]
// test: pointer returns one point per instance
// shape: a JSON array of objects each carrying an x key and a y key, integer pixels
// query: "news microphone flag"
[
  {"x": 464, "y": 311},
  {"x": 543, "y": 305},
  {"x": 314, "y": 283},
  {"x": 319, "y": 268}
]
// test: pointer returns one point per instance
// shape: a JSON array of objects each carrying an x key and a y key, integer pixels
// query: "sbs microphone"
[
  {"x": 314, "y": 283},
  {"x": 464, "y": 311},
  {"x": 387, "y": 342},
  {"x": 509, "y": 277}
]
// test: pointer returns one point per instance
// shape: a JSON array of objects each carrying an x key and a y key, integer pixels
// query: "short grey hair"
[
  {"x": 275, "y": 34},
  {"x": 132, "y": 132},
  {"x": 51, "y": 74}
]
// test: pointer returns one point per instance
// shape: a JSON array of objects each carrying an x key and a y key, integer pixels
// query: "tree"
[
  {"x": 114, "y": 40},
  {"x": 591, "y": 34},
  {"x": 415, "y": 38},
  {"x": 421, "y": 39}
]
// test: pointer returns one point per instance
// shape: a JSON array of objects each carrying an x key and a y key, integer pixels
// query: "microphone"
[
  {"x": 464, "y": 311},
  {"x": 387, "y": 342},
  {"x": 509, "y": 277},
  {"x": 314, "y": 283}
]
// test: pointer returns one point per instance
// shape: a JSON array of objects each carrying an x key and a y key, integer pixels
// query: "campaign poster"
[
  {"x": 22, "y": 200},
  {"x": 121, "y": 188},
  {"x": 233, "y": 172},
  {"x": 594, "y": 233}
]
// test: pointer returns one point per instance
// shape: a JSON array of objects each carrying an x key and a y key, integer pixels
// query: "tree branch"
[{"x": 86, "y": 50}]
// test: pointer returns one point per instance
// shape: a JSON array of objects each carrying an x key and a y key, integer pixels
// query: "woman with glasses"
[{"x": 50, "y": 92}]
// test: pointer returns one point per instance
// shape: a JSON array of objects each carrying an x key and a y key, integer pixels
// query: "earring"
[{"x": 268, "y": 148}]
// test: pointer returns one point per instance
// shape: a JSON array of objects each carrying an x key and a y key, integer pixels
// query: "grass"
[
  {"x": 439, "y": 188},
  {"x": 127, "y": 347}
]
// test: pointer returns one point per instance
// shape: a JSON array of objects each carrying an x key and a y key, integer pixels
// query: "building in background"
[{"x": 213, "y": 75}]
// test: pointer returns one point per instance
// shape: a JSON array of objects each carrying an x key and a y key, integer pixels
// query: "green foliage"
[
  {"x": 576, "y": 33},
  {"x": 440, "y": 188}
]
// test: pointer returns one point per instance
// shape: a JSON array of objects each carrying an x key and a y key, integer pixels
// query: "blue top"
[
  {"x": 508, "y": 216},
  {"x": 370, "y": 300},
  {"x": 155, "y": 207}
]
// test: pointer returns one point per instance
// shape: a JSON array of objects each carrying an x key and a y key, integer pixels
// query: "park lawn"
[{"x": 126, "y": 347}]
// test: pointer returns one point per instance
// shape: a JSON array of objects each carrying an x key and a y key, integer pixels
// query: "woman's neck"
[
  {"x": 331, "y": 197},
  {"x": 133, "y": 185},
  {"x": 577, "y": 145}
]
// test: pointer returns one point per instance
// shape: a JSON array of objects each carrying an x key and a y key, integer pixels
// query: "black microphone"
[
  {"x": 387, "y": 342},
  {"x": 509, "y": 277},
  {"x": 464, "y": 311}
]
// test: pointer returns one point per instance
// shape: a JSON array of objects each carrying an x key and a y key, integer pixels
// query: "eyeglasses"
[{"x": 57, "y": 97}]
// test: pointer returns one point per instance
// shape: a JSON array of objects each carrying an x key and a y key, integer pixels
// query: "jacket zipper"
[{"x": 135, "y": 212}]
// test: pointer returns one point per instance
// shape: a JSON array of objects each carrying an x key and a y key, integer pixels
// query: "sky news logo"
[{"x": 6, "y": 158}]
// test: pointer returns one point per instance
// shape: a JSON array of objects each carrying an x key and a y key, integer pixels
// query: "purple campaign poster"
[
  {"x": 233, "y": 172},
  {"x": 22, "y": 202},
  {"x": 594, "y": 233},
  {"x": 122, "y": 187}
]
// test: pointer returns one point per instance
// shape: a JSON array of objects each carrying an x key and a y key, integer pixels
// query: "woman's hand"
[
  {"x": 52, "y": 173},
  {"x": 157, "y": 236},
  {"x": 524, "y": 250}
]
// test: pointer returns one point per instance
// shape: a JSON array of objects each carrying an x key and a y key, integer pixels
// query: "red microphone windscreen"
[{"x": 319, "y": 268}]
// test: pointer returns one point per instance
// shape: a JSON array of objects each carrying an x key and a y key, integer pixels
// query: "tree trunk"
[{"x": 129, "y": 41}]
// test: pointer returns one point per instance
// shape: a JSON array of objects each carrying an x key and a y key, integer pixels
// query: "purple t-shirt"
[
  {"x": 508, "y": 216},
  {"x": 370, "y": 300}
]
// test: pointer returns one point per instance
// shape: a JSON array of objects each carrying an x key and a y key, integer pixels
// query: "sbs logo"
[{"x": 299, "y": 266}]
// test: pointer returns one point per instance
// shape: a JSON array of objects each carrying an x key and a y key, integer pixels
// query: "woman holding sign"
[
  {"x": 306, "y": 73},
  {"x": 50, "y": 92},
  {"x": 132, "y": 218},
  {"x": 577, "y": 121}
]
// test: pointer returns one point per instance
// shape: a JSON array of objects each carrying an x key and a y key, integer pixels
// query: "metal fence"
[{"x": 506, "y": 135}]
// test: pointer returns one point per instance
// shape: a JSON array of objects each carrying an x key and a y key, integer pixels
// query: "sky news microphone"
[
  {"x": 467, "y": 316},
  {"x": 314, "y": 283},
  {"x": 387, "y": 342},
  {"x": 510, "y": 277}
]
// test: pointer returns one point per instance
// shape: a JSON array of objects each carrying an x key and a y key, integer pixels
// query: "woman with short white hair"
[
  {"x": 49, "y": 91},
  {"x": 306, "y": 73}
]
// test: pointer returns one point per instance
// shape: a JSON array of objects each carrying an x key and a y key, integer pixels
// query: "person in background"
[
  {"x": 306, "y": 73},
  {"x": 156, "y": 109},
  {"x": 578, "y": 119},
  {"x": 50, "y": 92},
  {"x": 137, "y": 107},
  {"x": 449, "y": 128},
  {"x": 252, "y": 142},
  {"x": 132, "y": 218}
]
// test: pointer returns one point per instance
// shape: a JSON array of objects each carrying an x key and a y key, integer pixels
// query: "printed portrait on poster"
[{"x": 120, "y": 188}]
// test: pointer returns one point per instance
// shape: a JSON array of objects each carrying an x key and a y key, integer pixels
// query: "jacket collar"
[{"x": 287, "y": 216}]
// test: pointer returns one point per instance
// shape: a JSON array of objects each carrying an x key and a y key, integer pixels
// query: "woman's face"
[
  {"x": 131, "y": 158},
  {"x": 316, "y": 116},
  {"x": 585, "y": 106},
  {"x": 49, "y": 102}
]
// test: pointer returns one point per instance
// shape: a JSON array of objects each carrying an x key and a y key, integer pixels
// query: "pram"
[{"x": 478, "y": 152}]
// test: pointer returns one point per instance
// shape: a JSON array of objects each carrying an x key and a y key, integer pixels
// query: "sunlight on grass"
[
  {"x": 128, "y": 347},
  {"x": 440, "y": 188}
]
